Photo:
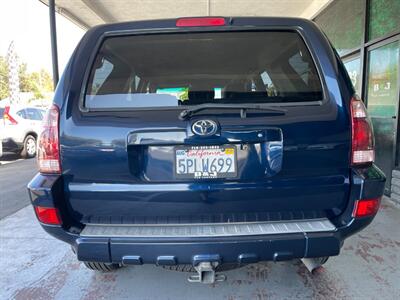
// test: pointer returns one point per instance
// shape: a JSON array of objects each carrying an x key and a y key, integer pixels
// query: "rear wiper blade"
[{"x": 187, "y": 113}]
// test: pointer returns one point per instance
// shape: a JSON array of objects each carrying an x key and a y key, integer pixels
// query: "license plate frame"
[{"x": 205, "y": 175}]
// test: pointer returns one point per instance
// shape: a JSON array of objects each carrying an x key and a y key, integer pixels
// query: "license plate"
[{"x": 205, "y": 162}]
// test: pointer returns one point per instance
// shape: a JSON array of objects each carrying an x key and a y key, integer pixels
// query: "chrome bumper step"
[{"x": 208, "y": 230}]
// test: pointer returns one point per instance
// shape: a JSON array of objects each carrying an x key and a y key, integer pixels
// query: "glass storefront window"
[
  {"x": 384, "y": 17},
  {"x": 383, "y": 67},
  {"x": 382, "y": 101},
  {"x": 353, "y": 69},
  {"x": 342, "y": 22}
]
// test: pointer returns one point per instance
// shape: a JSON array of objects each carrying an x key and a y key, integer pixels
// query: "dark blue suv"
[{"x": 202, "y": 143}]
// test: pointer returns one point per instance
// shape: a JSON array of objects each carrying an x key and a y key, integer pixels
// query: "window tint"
[
  {"x": 195, "y": 68},
  {"x": 33, "y": 114},
  {"x": 42, "y": 113},
  {"x": 301, "y": 67},
  {"x": 22, "y": 113},
  {"x": 181, "y": 92},
  {"x": 100, "y": 75}
]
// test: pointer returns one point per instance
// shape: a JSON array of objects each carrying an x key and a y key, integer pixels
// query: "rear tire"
[
  {"x": 29, "y": 149},
  {"x": 100, "y": 266}
]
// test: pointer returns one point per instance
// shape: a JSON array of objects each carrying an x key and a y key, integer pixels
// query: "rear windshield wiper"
[{"x": 187, "y": 113}]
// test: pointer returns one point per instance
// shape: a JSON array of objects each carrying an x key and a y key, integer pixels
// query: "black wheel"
[
  {"x": 29, "y": 149},
  {"x": 100, "y": 266}
]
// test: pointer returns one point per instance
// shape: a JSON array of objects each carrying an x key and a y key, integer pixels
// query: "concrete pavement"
[{"x": 36, "y": 266}]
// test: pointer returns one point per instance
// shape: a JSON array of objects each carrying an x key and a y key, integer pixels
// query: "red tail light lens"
[
  {"x": 192, "y": 22},
  {"x": 362, "y": 151},
  {"x": 47, "y": 215},
  {"x": 366, "y": 207},
  {"x": 8, "y": 118},
  {"x": 49, "y": 147}
]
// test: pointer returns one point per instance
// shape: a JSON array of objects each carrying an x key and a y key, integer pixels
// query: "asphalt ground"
[
  {"x": 15, "y": 173},
  {"x": 37, "y": 266}
]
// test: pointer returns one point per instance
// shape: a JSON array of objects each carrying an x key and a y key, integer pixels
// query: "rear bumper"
[
  {"x": 9, "y": 145},
  {"x": 241, "y": 250},
  {"x": 224, "y": 250},
  {"x": 135, "y": 249}
]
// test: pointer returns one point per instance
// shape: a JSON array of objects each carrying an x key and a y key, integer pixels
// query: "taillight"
[
  {"x": 47, "y": 215},
  {"x": 362, "y": 150},
  {"x": 193, "y": 22},
  {"x": 48, "y": 153},
  {"x": 8, "y": 119},
  {"x": 366, "y": 207}
]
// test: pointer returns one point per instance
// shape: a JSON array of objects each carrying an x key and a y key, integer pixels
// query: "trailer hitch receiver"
[{"x": 206, "y": 273}]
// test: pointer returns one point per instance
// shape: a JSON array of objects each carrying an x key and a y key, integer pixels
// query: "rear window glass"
[
  {"x": 33, "y": 114},
  {"x": 195, "y": 68}
]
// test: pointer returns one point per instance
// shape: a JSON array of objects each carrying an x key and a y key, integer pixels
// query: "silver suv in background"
[{"x": 20, "y": 129}]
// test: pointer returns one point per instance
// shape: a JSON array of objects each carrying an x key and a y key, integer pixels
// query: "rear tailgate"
[{"x": 120, "y": 151}]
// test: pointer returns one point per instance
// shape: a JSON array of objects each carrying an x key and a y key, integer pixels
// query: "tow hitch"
[{"x": 206, "y": 273}]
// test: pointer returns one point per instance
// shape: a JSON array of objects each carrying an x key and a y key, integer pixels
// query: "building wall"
[{"x": 366, "y": 34}]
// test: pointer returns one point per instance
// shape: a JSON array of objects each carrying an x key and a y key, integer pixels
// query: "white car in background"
[
  {"x": 1, "y": 130},
  {"x": 20, "y": 128}
]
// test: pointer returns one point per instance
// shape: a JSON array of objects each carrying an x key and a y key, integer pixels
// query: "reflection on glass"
[
  {"x": 342, "y": 22},
  {"x": 353, "y": 68},
  {"x": 382, "y": 80},
  {"x": 382, "y": 96},
  {"x": 384, "y": 17}
]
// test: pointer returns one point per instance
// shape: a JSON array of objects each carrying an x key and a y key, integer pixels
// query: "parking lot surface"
[
  {"x": 36, "y": 266},
  {"x": 15, "y": 173}
]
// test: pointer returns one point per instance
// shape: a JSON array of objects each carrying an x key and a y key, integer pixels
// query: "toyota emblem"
[{"x": 204, "y": 127}]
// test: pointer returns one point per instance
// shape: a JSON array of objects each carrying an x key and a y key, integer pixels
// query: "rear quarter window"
[{"x": 171, "y": 70}]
